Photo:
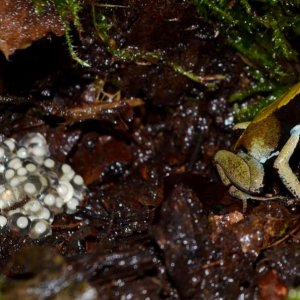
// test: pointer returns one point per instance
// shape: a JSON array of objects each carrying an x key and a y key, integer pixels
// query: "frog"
[{"x": 274, "y": 132}]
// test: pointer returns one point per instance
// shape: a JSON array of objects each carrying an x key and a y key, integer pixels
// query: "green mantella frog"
[{"x": 273, "y": 132}]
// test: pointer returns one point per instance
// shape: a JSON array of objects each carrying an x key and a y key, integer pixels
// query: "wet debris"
[
  {"x": 271, "y": 287},
  {"x": 20, "y": 25},
  {"x": 132, "y": 269},
  {"x": 38, "y": 273},
  {"x": 279, "y": 266},
  {"x": 156, "y": 222},
  {"x": 177, "y": 234},
  {"x": 184, "y": 235}
]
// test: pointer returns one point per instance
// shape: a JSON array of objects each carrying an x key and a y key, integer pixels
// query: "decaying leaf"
[
  {"x": 38, "y": 273},
  {"x": 20, "y": 25}
]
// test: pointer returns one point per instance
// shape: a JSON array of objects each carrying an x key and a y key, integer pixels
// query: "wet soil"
[{"x": 157, "y": 223}]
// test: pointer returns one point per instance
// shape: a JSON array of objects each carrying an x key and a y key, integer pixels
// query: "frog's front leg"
[{"x": 281, "y": 163}]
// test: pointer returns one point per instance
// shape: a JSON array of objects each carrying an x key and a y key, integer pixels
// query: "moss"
[
  {"x": 260, "y": 30},
  {"x": 104, "y": 26},
  {"x": 264, "y": 32},
  {"x": 294, "y": 294},
  {"x": 68, "y": 10},
  {"x": 259, "y": 84},
  {"x": 247, "y": 112}
]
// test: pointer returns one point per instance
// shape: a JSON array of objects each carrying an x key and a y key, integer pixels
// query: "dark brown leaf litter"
[
  {"x": 20, "y": 25},
  {"x": 156, "y": 223}
]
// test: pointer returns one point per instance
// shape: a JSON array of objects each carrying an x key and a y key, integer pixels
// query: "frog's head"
[{"x": 260, "y": 139}]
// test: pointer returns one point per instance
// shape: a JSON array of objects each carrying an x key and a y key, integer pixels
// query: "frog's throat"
[{"x": 264, "y": 159}]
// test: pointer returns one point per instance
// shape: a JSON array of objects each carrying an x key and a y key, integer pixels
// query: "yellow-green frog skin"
[{"x": 273, "y": 132}]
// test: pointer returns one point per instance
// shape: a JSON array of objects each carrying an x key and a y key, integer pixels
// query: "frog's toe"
[{"x": 295, "y": 130}]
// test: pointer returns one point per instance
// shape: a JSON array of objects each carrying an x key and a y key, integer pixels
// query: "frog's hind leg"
[
  {"x": 281, "y": 163},
  {"x": 233, "y": 191}
]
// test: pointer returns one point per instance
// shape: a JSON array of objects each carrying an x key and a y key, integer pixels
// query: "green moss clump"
[
  {"x": 294, "y": 294},
  {"x": 265, "y": 32},
  {"x": 247, "y": 112},
  {"x": 262, "y": 31}
]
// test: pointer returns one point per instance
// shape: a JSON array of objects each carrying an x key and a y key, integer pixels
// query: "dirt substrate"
[{"x": 156, "y": 223}]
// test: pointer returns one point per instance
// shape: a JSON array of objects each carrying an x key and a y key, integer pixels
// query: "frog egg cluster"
[{"x": 34, "y": 188}]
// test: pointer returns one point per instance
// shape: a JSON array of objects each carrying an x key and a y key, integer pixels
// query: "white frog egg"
[
  {"x": 34, "y": 187},
  {"x": 72, "y": 205},
  {"x": 3, "y": 221},
  {"x": 49, "y": 163},
  {"x": 39, "y": 229},
  {"x": 22, "y": 152},
  {"x": 11, "y": 144},
  {"x": 65, "y": 190},
  {"x": 15, "y": 163}
]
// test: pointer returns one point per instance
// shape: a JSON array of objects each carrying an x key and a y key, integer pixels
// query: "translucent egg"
[
  {"x": 5, "y": 153},
  {"x": 19, "y": 223},
  {"x": 11, "y": 144},
  {"x": 39, "y": 229},
  {"x": 3, "y": 221},
  {"x": 34, "y": 187}
]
